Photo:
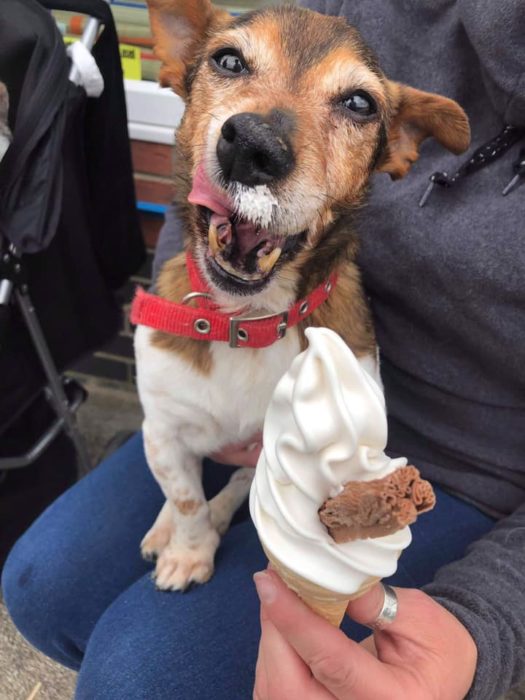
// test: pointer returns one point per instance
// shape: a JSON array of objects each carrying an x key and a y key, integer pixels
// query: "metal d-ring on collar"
[{"x": 201, "y": 325}]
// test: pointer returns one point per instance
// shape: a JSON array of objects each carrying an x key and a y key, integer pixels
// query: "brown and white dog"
[{"x": 288, "y": 115}]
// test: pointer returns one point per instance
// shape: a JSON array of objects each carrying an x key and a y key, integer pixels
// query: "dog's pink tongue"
[{"x": 206, "y": 195}]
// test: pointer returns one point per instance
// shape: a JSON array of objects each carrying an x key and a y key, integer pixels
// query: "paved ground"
[{"x": 24, "y": 673}]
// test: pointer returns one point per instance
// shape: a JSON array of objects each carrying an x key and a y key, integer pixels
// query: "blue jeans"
[{"x": 78, "y": 590}]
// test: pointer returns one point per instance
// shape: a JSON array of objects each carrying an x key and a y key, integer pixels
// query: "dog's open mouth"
[
  {"x": 239, "y": 253},
  {"x": 244, "y": 251}
]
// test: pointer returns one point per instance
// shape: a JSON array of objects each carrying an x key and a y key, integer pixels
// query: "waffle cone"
[{"x": 326, "y": 603}]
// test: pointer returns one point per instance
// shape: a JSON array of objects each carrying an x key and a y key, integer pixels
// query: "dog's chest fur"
[{"x": 209, "y": 410}]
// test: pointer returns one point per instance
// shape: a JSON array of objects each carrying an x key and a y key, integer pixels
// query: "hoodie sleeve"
[
  {"x": 170, "y": 241},
  {"x": 496, "y": 30},
  {"x": 486, "y": 592}
]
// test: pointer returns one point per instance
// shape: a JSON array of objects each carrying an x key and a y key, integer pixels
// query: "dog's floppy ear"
[
  {"x": 417, "y": 115},
  {"x": 178, "y": 27}
]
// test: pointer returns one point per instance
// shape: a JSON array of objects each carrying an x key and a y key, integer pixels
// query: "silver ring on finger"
[{"x": 388, "y": 611}]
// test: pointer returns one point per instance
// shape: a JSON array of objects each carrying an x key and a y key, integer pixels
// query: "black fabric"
[
  {"x": 31, "y": 172},
  {"x": 115, "y": 232},
  {"x": 25, "y": 493},
  {"x": 97, "y": 243}
]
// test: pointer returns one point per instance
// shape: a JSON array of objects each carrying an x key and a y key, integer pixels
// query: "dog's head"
[{"x": 288, "y": 114}]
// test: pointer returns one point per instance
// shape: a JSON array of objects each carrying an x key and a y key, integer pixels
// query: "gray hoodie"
[{"x": 447, "y": 284}]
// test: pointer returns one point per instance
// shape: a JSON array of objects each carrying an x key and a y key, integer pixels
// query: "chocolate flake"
[{"x": 377, "y": 508}]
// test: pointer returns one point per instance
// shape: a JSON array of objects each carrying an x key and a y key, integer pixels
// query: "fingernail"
[{"x": 266, "y": 589}]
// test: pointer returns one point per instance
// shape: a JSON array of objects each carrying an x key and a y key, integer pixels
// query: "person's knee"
[
  {"x": 119, "y": 663},
  {"x": 150, "y": 644},
  {"x": 22, "y": 585},
  {"x": 35, "y": 594},
  {"x": 130, "y": 659}
]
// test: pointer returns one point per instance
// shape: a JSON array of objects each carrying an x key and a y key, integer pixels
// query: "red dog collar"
[{"x": 204, "y": 322}]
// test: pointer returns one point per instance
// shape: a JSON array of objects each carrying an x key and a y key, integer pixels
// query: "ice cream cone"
[
  {"x": 326, "y": 603},
  {"x": 327, "y": 501}
]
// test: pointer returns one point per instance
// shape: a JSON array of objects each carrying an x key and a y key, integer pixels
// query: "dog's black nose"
[{"x": 255, "y": 150}]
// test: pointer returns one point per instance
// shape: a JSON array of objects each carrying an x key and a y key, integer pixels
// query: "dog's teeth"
[
  {"x": 213, "y": 240},
  {"x": 225, "y": 234},
  {"x": 219, "y": 237},
  {"x": 267, "y": 262}
]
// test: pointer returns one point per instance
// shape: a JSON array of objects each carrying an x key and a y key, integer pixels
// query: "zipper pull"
[
  {"x": 436, "y": 178},
  {"x": 427, "y": 193},
  {"x": 519, "y": 168}
]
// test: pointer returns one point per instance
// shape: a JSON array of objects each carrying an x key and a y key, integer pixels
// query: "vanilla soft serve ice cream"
[{"x": 325, "y": 426}]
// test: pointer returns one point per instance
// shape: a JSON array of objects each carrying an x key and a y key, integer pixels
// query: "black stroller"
[{"x": 69, "y": 233}]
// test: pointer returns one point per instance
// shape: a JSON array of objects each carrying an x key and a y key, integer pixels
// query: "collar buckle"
[{"x": 238, "y": 334}]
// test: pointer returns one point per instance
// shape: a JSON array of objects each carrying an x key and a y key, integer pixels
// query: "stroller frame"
[{"x": 13, "y": 286}]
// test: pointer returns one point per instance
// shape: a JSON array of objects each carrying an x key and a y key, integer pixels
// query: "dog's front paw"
[
  {"x": 180, "y": 565},
  {"x": 155, "y": 541}
]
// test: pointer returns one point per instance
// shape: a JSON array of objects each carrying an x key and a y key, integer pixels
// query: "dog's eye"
[
  {"x": 229, "y": 61},
  {"x": 360, "y": 104}
]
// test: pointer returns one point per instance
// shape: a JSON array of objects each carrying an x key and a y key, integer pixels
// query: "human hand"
[
  {"x": 425, "y": 654},
  {"x": 241, "y": 454}
]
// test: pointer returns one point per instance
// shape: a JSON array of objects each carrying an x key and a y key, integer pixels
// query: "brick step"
[
  {"x": 152, "y": 188},
  {"x": 152, "y": 158}
]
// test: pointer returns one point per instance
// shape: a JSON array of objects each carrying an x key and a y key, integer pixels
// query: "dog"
[{"x": 287, "y": 117}]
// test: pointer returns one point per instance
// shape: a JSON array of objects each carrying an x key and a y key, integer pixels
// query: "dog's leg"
[
  {"x": 159, "y": 535},
  {"x": 224, "y": 505},
  {"x": 188, "y": 554}
]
